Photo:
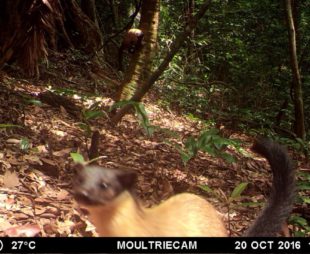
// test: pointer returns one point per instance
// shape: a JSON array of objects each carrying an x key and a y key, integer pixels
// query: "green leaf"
[
  {"x": 8, "y": 125},
  {"x": 204, "y": 139},
  {"x": 301, "y": 185},
  {"x": 94, "y": 106},
  {"x": 150, "y": 130},
  {"x": 121, "y": 104},
  {"x": 211, "y": 143},
  {"x": 299, "y": 234},
  {"x": 206, "y": 188},
  {"x": 191, "y": 146},
  {"x": 143, "y": 118},
  {"x": 140, "y": 110},
  {"x": 92, "y": 114},
  {"x": 227, "y": 157},
  {"x": 83, "y": 126},
  {"x": 77, "y": 158},
  {"x": 24, "y": 144},
  {"x": 305, "y": 199},
  {"x": 236, "y": 193},
  {"x": 304, "y": 175},
  {"x": 298, "y": 220},
  {"x": 212, "y": 132},
  {"x": 186, "y": 156},
  {"x": 34, "y": 102},
  {"x": 86, "y": 128},
  {"x": 218, "y": 142},
  {"x": 252, "y": 204},
  {"x": 210, "y": 150}
]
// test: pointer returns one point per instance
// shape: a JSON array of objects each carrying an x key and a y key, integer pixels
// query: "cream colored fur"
[{"x": 181, "y": 215}]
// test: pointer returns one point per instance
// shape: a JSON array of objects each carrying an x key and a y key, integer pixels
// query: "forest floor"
[{"x": 37, "y": 170}]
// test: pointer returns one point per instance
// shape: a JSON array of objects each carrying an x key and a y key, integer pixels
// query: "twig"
[
  {"x": 95, "y": 159},
  {"x": 2, "y": 189}
]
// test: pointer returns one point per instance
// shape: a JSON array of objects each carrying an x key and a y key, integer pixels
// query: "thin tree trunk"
[
  {"x": 176, "y": 45},
  {"x": 140, "y": 63},
  {"x": 299, "y": 125},
  {"x": 89, "y": 8},
  {"x": 89, "y": 35},
  {"x": 114, "y": 8},
  {"x": 189, "y": 58}
]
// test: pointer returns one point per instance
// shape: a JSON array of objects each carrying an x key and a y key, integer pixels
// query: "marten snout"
[
  {"x": 83, "y": 197},
  {"x": 98, "y": 186}
]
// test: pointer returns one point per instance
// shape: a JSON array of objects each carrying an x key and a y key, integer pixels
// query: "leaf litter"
[{"x": 35, "y": 183}]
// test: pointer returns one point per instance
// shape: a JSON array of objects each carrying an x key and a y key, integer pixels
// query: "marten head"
[
  {"x": 132, "y": 40},
  {"x": 94, "y": 185}
]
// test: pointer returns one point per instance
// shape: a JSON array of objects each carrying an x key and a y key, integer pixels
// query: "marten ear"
[
  {"x": 127, "y": 179},
  {"x": 76, "y": 168}
]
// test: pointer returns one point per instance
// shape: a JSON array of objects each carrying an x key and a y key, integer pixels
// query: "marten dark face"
[
  {"x": 94, "y": 185},
  {"x": 132, "y": 40},
  {"x": 132, "y": 47}
]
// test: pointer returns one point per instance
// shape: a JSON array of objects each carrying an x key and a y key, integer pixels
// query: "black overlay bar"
[{"x": 154, "y": 245}]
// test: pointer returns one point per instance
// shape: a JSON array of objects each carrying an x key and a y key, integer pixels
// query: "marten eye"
[{"x": 103, "y": 185}]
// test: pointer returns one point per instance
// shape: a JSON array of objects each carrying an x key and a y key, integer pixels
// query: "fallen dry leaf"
[
  {"x": 21, "y": 216},
  {"x": 3, "y": 197},
  {"x": 23, "y": 231},
  {"x": 13, "y": 141},
  {"x": 10, "y": 179},
  {"x": 62, "y": 194},
  {"x": 65, "y": 227},
  {"x": 32, "y": 158},
  {"x": 63, "y": 110},
  {"x": 48, "y": 216},
  {"x": 41, "y": 149},
  {"x": 48, "y": 161},
  {"x": 62, "y": 152},
  {"x": 4, "y": 224},
  {"x": 39, "y": 210}
]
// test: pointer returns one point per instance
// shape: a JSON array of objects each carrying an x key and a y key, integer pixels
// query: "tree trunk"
[
  {"x": 29, "y": 27},
  {"x": 189, "y": 58},
  {"x": 140, "y": 63},
  {"x": 299, "y": 125},
  {"x": 84, "y": 33},
  {"x": 89, "y": 8},
  {"x": 176, "y": 45},
  {"x": 23, "y": 37}
]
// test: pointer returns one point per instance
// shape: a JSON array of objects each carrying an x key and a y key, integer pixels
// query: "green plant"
[
  {"x": 77, "y": 158},
  {"x": 303, "y": 187},
  {"x": 8, "y": 125},
  {"x": 140, "y": 113},
  {"x": 210, "y": 142},
  {"x": 93, "y": 112},
  {"x": 302, "y": 224},
  {"x": 297, "y": 144},
  {"x": 87, "y": 116},
  {"x": 24, "y": 144},
  {"x": 33, "y": 102},
  {"x": 235, "y": 195}
]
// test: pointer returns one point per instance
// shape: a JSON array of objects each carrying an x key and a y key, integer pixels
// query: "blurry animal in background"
[
  {"x": 107, "y": 195},
  {"x": 132, "y": 42}
]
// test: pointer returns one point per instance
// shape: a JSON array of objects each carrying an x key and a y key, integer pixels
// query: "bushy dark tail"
[{"x": 281, "y": 200}]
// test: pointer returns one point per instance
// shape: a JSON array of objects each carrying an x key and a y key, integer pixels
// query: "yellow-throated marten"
[
  {"x": 105, "y": 193},
  {"x": 132, "y": 42}
]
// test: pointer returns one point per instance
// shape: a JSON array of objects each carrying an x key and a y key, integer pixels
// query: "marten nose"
[{"x": 81, "y": 196}]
